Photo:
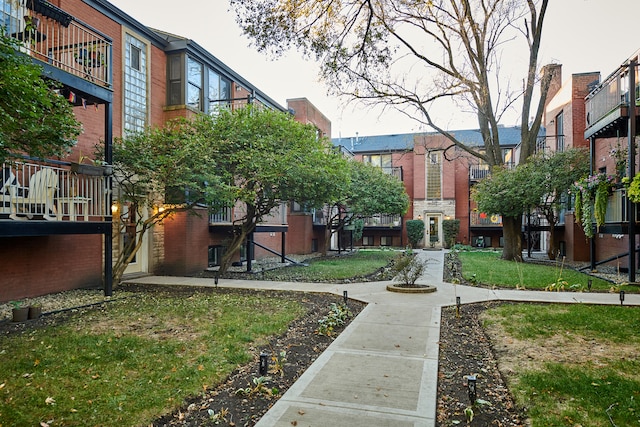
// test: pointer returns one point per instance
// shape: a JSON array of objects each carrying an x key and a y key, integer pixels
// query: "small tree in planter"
[
  {"x": 415, "y": 231},
  {"x": 450, "y": 228},
  {"x": 408, "y": 269}
]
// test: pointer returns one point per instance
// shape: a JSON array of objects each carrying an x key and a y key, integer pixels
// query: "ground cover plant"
[
  {"x": 127, "y": 361},
  {"x": 486, "y": 268}
]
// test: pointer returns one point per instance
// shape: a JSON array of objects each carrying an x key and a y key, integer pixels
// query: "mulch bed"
[{"x": 466, "y": 350}]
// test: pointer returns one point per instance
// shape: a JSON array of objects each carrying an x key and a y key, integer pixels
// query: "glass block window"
[
  {"x": 434, "y": 176},
  {"x": 136, "y": 96}
]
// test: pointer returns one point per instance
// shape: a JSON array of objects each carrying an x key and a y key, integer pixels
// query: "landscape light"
[
  {"x": 589, "y": 282},
  {"x": 264, "y": 364},
  {"x": 345, "y": 297},
  {"x": 471, "y": 386},
  {"x": 621, "y": 297},
  {"x": 457, "y": 306}
]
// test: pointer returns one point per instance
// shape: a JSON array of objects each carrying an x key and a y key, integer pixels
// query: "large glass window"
[
  {"x": 135, "y": 85},
  {"x": 219, "y": 91},
  {"x": 194, "y": 84},
  {"x": 11, "y": 15},
  {"x": 382, "y": 161},
  {"x": 560, "y": 132},
  {"x": 434, "y": 176}
]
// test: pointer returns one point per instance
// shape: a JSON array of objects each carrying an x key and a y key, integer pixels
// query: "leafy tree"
[
  {"x": 414, "y": 55},
  {"x": 415, "y": 231},
  {"x": 552, "y": 176},
  {"x": 162, "y": 171},
  {"x": 34, "y": 119},
  {"x": 269, "y": 159},
  {"x": 539, "y": 183},
  {"x": 367, "y": 192}
]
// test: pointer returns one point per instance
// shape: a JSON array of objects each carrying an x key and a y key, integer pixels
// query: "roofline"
[
  {"x": 183, "y": 44},
  {"x": 118, "y": 15}
]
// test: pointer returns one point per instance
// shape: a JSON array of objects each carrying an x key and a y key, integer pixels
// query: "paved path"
[{"x": 383, "y": 369}]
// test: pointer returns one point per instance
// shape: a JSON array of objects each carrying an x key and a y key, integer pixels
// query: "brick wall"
[
  {"x": 34, "y": 266},
  {"x": 186, "y": 243}
]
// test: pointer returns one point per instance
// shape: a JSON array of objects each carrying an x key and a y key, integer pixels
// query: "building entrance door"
[{"x": 434, "y": 230}]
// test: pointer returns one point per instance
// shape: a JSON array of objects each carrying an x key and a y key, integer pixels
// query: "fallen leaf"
[
  {"x": 50, "y": 401},
  {"x": 301, "y": 412}
]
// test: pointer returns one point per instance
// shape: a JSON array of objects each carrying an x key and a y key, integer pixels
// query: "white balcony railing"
[
  {"x": 36, "y": 191},
  {"x": 53, "y": 36}
]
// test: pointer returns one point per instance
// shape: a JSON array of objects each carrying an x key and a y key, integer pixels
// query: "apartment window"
[
  {"x": 135, "y": 85},
  {"x": 560, "y": 132},
  {"x": 434, "y": 176},
  {"x": 382, "y": 161},
  {"x": 194, "y": 84},
  {"x": 11, "y": 15},
  {"x": 175, "y": 95},
  {"x": 219, "y": 91},
  {"x": 367, "y": 240},
  {"x": 386, "y": 241}
]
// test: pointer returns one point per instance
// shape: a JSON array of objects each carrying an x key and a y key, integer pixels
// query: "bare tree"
[{"x": 415, "y": 56}]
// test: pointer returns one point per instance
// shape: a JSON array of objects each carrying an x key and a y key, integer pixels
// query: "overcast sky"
[{"x": 582, "y": 35}]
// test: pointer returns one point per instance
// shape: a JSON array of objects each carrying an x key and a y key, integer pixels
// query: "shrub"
[
  {"x": 415, "y": 231},
  {"x": 450, "y": 228}
]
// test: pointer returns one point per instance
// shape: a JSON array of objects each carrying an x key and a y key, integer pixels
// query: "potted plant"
[
  {"x": 19, "y": 311},
  {"x": 35, "y": 311}
]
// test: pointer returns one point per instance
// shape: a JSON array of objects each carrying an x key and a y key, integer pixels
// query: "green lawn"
[
  {"x": 348, "y": 266},
  {"x": 486, "y": 268},
  {"x": 581, "y": 367},
  {"x": 133, "y": 359}
]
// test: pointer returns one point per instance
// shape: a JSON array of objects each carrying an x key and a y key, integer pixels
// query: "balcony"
[
  {"x": 51, "y": 192},
  {"x": 221, "y": 216},
  {"x": 382, "y": 221},
  {"x": 607, "y": 106},
  {"x": 61, "y": 42},
  {"x": 478, "y": 172},
  {"x": 482, "y": 219}
]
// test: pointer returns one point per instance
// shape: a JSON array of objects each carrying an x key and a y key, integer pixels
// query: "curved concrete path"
[{"x": 383, "y": 369}]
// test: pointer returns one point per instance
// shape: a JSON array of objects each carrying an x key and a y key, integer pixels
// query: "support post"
[
  {"x": 632, "y": 169},
  {"x": 283, "y": 243},
  {"x": 108, "y": 233},
  {"x": 592, "y": 241}
]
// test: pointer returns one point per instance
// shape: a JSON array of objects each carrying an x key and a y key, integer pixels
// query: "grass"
[
  {"x": 486, "y": 267},
  {"x": 359, "y": 264},
  {"x": 132, "y": 360},
  {"x": 594, "y": 381}
]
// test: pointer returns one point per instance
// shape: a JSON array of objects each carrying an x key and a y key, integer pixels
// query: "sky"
[{"x": 582, "y": 35}]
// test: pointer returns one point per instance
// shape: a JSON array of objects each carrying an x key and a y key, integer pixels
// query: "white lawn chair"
[{"x": 39, "y": 197}]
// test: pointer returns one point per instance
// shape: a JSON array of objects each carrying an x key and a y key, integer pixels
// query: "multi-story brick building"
[
  {"x": 120, "y": 76},
  {"x": 438, "y": 178}
]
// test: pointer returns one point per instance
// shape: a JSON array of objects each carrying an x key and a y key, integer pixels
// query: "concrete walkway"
[{"x": 383, "y": 369}]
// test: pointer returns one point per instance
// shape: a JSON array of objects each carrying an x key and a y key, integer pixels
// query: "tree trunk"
[{"x": 512, "y": 233}]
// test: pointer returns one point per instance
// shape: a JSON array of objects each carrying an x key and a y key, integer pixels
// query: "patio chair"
[
  {"x": 38, "y": 197},
  {"x": 9, "y": 183}
]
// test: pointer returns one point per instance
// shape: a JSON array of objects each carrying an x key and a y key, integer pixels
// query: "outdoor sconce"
[
  {"x": 471, "y": 387},
  {"x": 457, "y": 306},
  {"x": 621, "y": 297},
  {"x": 114, "y": 208},
  {"x": 345, "y": 297},
  {"x": 264, "y": 364},
  {"x": 420, "y": 217},
  {"x": 589, "y": 282}
]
